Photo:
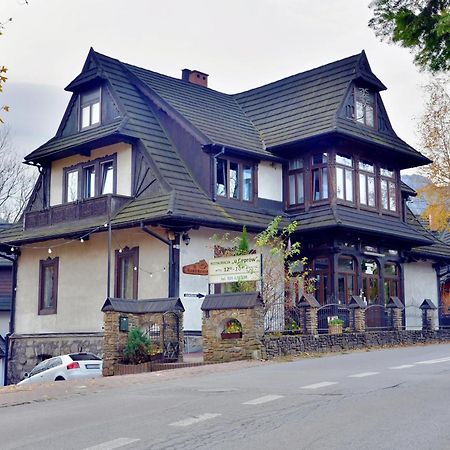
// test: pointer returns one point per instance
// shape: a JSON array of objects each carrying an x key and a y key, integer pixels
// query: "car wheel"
[{"x": 60, "y": 379}]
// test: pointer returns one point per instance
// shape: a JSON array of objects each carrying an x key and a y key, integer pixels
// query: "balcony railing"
[{"x": 104, "y": 206}]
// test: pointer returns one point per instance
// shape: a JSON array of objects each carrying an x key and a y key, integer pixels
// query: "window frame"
[
  {"x": 120, "y": 255},
  {"x": 366, "y": 174},
  {"x": 389, "y": 180},
  {"x": 345, "y": 273},
  {"x": 320, "y": 168},
  {"x": 242, "y": 164},
  {"x": 295, "y": 172},
  {"x": 345, "y": 169},
  {"x": 375, "y": 116},
  {"x": 90, "y": 104},
  {"x": 390, "y": 280},
  {"x": 43, "y": 264},
  {"x": 80, "y": 168}
]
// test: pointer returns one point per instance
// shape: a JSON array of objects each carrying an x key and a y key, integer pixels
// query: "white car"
[{"x": 66, "y": 367}]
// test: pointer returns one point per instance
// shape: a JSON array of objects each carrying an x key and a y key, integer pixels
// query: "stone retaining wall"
[
  {"x": 29, "y": 350},
  {"x": 279, "y": 345}
]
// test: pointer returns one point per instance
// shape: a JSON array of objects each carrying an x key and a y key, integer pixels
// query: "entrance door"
[{"x": 371, "y": 281}]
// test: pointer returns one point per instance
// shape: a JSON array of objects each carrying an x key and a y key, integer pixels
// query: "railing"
[
  {"x": 284, "y": 318},
  {"x": 83, "y": 209},
  {"x": 378, "y": 317}
]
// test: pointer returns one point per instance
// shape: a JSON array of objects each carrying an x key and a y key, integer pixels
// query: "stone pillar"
[
  {"x": 397, "y": 320},
  {"x": 358, "y": 320},
  {"x": 428, "y": 313},
  {"x": 311, "y": 320}
]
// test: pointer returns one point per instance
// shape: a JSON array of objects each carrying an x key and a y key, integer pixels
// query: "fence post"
[
  {"x": 358, "y": 314},
  {"x": 428, "y": 319},
  {"x": 396, "y": 307},
  {"x": 309, "y": 306}
]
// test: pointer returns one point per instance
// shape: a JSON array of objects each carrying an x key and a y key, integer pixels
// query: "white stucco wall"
[
  {"x": 420, "y": 283},
  {"x": 82, "y": 280},
  {"x": 124, "y": 158},
  {"x": 270, "y": 181}
]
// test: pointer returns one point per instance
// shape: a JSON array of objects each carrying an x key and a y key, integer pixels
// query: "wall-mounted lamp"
[{"x": 186, "y": 238}]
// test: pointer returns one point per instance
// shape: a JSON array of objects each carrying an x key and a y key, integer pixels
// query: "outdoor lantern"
[{"x": 123, "y": 323}]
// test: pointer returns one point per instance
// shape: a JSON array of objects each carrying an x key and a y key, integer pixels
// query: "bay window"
[
  {"x": 367, "y": 184},
  {"x": 319, "y": 166},
  {"x": 234, "y": 179},
  {"x": 388, "y": 190},
  {"x": 296, "y": 182},
  {"x": 344, "y": 178}
]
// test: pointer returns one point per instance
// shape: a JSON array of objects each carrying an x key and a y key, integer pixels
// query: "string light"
[
  {"x": 81, "y": 240},
  {"x": 49, "y": 251}
]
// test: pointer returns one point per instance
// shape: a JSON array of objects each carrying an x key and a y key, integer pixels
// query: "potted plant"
[
  {"x": 335, "y": 325},
  {"x": 232, "y": 330}
]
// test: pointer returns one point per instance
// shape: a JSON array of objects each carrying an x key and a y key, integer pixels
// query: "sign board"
[
  {"x": 198, "y": 268},
  {"x": 230, "y": 269}
]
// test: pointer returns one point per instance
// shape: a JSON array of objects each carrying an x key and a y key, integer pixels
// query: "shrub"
[
  {"x": 138, "y": 347},
  {"x": 336, "y": 321}
]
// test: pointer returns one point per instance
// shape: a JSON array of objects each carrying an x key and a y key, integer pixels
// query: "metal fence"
[
  {"x": 331, "y": 311},
  {"x": 283, "y": 317}
]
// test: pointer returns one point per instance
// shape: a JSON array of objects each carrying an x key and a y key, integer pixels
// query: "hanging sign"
[
  {"x": 198, "y": 268},
  {"x": 230, "y": 269}
]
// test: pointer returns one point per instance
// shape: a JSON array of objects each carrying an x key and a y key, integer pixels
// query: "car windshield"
[
  {"x": 40, "y": 368},
  {"x": 84, "y": 357}
]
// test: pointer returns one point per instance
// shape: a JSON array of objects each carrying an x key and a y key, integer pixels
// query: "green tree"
[{"x": 420, "y": 25}]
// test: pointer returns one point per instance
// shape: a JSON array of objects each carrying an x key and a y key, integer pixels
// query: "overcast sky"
[{"x": 240, "y": 43}]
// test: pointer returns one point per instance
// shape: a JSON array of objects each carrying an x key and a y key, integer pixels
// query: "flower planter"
[
  {"x": 231, "y": 335},
  {"x": 335, "y": 329}
]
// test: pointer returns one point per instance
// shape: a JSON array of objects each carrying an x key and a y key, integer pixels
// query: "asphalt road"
[{"x": 384, "y": 399}]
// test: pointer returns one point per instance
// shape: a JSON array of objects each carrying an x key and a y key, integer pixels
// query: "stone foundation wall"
[
  {"x": 274, "y": 345},
  {"x": 216, "y": 349},
  {"x": 28, "y": 350}
]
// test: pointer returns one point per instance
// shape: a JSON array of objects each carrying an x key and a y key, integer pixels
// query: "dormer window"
[
  {"x": 234, "y": 179},
  {"x": 90, "y": 108},
  {"x": 365, "y": 106}
]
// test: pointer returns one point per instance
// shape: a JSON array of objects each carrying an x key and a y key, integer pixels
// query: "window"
[
  {"x": 322, "y": 277},
  {"x": 320, "y": 177},
  {"x": 388, "y": 189},
  {"x": 367, "y": 184},
  {"x": 391, "y": 281},
  {"x": 365, "y": 107},
  {"x": 127, "y": 264},
  {"x": 296, "y": 180},
  {"x": 90, "y": 109},
  {"x": 346, "y": 278},
  {"x": 344, "y": 178},
  {"x": 72, "y": 185},
  {"x": 48, "y": 285},
  {"x": 371, "y": 281},
  {"x": 90, "y": 179},
  {"x": 234, "y": 179}
]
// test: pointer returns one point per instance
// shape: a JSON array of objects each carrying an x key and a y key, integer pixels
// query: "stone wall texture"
[
  {"x": 280, "y": 345},
  {"x": 216, "y": 349},
  {"x": 114, "y": 340},
  {"x": 29, "y": 350}
]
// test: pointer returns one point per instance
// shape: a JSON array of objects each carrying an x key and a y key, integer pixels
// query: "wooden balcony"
[{"x": 98, "y": 207}]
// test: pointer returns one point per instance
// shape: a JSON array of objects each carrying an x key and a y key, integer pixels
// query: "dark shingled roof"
[
  {"x": 233, "y": 300},
  {"x": 154, "y": 305},
  {"x": 5, "y": 302}
]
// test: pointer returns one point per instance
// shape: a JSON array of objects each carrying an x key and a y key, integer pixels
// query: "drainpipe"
[
  {"x": 12, "y": 316},
  {"x": 174, "y": 259}
]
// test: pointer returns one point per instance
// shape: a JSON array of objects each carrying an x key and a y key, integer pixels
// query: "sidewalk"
[{"x": 20, "y": 395}]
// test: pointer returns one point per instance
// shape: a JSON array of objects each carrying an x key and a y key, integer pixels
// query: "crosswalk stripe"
[
  {"x": 265, "y": 399},
  {"x": 110, "y": 445},
  {"x": 319, "y": 385},
  {"x": 193, "y": 420}
]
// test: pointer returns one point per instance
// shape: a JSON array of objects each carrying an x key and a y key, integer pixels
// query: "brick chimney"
[{"x": 195, "y": 76}]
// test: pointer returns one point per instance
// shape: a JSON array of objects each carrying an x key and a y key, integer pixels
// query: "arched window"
[
  {"x": 371, "y": 281},
  {"x": 321, "y": 274},
  {"x": 346, "y": 278},
  {"x": 391, "y": 280}
]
